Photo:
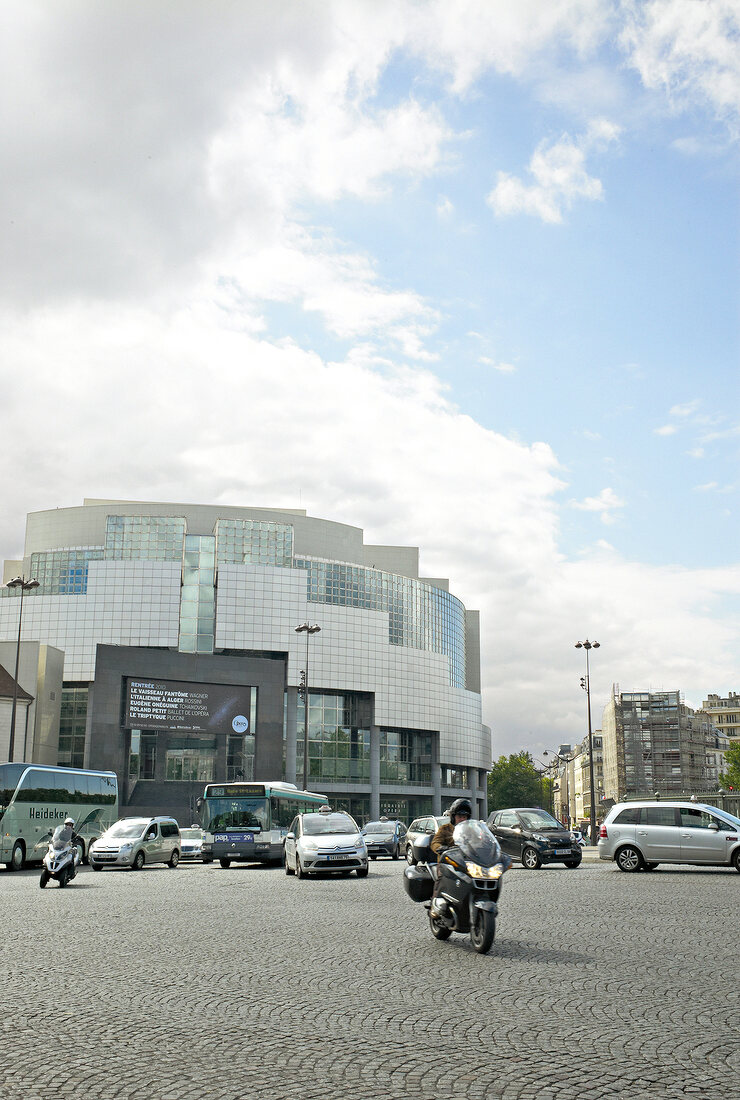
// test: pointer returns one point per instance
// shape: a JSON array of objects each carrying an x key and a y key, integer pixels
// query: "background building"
[
  {"x": 180, "y": 660},
  {"x": 724, "y": 713},
  {"x": 653, "y": 742}
]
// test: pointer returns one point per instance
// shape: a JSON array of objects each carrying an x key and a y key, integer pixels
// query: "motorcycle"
[
  {"x": 60, "y": 863},
  {"x": 471, "y": 873}
]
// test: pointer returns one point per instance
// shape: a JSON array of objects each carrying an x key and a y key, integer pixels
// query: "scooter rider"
[
  {"x": 63, "y": 833},
  {"x": 460, "y": 810}
]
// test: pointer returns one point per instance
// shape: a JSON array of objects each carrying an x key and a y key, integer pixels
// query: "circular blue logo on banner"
[{"x": 239, "y": 724}]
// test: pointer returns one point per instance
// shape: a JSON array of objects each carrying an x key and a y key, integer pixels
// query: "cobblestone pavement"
[{"x": 226, "y": 985}]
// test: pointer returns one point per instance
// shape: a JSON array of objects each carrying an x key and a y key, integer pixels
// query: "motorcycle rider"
[
  {"x": 460, "y": 810},
  {"x": 63, "y": 833}
]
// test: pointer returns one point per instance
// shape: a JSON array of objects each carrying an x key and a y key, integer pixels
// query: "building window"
[
  {"x": 338, "y": 737},
  {"x": 72, "y": 722}
]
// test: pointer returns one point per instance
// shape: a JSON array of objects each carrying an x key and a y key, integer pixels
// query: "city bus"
[
  {"x": 248, "y": 821},
  {"x": 34, "y": 799}
]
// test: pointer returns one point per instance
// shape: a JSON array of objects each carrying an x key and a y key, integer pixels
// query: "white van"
[{"x": 134, "y": 841}]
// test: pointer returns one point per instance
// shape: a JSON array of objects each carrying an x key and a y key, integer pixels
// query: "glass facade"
[
  {"x": 197, "y": 596},
  {"x": 405, "y": 757},
  {"x": 419, "y": 615},
  {"x": 455, "y": 777},
  {"x": 256, "y": 542},
  {"x": 64, "y": 572},
  {"x": 155, "y": 538},
  {"x": 191, "y": 760},
  {"x": 73, "y": 717},
  {"x": 338, "y": 737}
]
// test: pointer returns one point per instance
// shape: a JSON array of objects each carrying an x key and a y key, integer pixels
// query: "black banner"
[{"x": 187, "y": 707}]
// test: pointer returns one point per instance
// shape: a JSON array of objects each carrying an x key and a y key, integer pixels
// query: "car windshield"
[
  {"x": 191, "y": 834},
  {"x": 539, "y": 819},
  {"x": 477, "y": 843},
  {"x": 731, "y": 817},
  {"x": 132, "y": 828},
  {"x": 328, "y": 824},
  {"x": 380, "y": 828}
]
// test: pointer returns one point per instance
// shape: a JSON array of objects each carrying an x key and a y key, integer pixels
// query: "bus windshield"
[{"x": 235, "y": 813}]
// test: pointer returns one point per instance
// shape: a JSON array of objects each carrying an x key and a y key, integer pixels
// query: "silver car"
[
  {"x": 133, "y": 841},
  {"x": 422, "y": 826},
  {"x": 640, "y": 835},
  {"x": 325, "y": 840}
]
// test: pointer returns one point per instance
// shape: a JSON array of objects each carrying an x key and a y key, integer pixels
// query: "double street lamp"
[
  {"x": 25, "y": 585},
  {"x": 562, "y": 758},
  {"x": 586, "y": 685},
  {"x": 308, "y": 630}
]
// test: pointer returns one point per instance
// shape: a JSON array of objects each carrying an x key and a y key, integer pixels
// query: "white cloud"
[
  {"x": 687, "y": 49},
  {"x": 606, "y": 503},
  {"x": 559, "y": 174},
  {"x": 494, "y": 364},
  {"x": 445, "y": 208},
  {"x": 684, "y": 410},
  {"x": 708, "y": 487},
  {"x": 696, "y": 452},
  {"x": 666, "y": 429}
]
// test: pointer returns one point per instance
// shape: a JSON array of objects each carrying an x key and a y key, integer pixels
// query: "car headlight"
[
  {"x": 309, "y": 846},
  {"x": 125, "y": 848},
  {"x": 359, "y": 843},
  {"x": 539, "y": 836}
]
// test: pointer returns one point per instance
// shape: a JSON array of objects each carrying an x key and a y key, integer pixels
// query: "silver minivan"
[
  {"x": 133, "y": 841},
  {"x": 640, "y": 835}
]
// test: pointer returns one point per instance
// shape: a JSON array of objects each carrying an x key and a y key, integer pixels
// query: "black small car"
[
  {"x": 384, "y": 838},
  {"x": 535, "y": 837}
]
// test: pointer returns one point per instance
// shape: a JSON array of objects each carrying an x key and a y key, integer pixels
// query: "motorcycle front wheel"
[
  {"x": 45, "y": 876},
  {"x": 483, "y": 931}
]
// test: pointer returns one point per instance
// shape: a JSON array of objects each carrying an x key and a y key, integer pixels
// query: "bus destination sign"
[{"x": 237, "y": 790}]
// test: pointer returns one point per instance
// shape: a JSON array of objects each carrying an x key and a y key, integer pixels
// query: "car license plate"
[
  {"x": 337, "y": 857},
  {"x": 562, "y": 851}
]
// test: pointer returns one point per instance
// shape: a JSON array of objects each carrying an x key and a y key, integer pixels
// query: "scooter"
[
  {"x": 60, "y": 864},
  {"x": 470, "y": 871}
]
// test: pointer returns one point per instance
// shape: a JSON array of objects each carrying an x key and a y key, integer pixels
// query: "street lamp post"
[
  {"x": 308, "y": 630},
  {"x": 24, "y": 585},
  {"x": 561, "y": 758},
  {"x": 545, "y": 773},
  {"x": 586, "y": 685}
]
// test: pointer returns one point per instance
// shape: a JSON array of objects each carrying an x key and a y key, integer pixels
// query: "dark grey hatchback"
[{"x": 535, "y": 837}]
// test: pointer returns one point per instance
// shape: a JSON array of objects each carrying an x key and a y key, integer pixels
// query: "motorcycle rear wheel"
[
  {"x": 483, "y": 932},
  {"x": 440, "y": 931}
]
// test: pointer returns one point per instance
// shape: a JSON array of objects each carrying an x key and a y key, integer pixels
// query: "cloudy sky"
[{"x": 462, "y": 274}]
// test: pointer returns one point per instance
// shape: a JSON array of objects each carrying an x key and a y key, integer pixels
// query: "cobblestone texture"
[{"x": 225, "y": 985}]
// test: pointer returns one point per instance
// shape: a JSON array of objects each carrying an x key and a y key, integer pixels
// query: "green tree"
[
  {"x": 731, "y": 777},
  {"x": 514, "y": 781}
]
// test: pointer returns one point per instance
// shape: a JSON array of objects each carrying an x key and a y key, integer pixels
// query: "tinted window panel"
[
  {"x": 661, "y": 815},
  {"x": 628, "y": 817}
]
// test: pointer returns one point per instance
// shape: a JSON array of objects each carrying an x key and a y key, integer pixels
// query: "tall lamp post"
[
  {"x": 24, "y": 585},
  {"x": 586, "y": 685},
  {"x": 308, "y": 630}
]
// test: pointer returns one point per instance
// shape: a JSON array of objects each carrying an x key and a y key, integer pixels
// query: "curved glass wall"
[{"x": 419, "y": 615}]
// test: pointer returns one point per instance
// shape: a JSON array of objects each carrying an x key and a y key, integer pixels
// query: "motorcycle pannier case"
[{"x": 417, "y": 883}]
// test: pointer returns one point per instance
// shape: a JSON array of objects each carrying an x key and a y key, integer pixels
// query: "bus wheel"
[
  {"x": 225, "y": 863},
  {"x": 17, "y": 857}
]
